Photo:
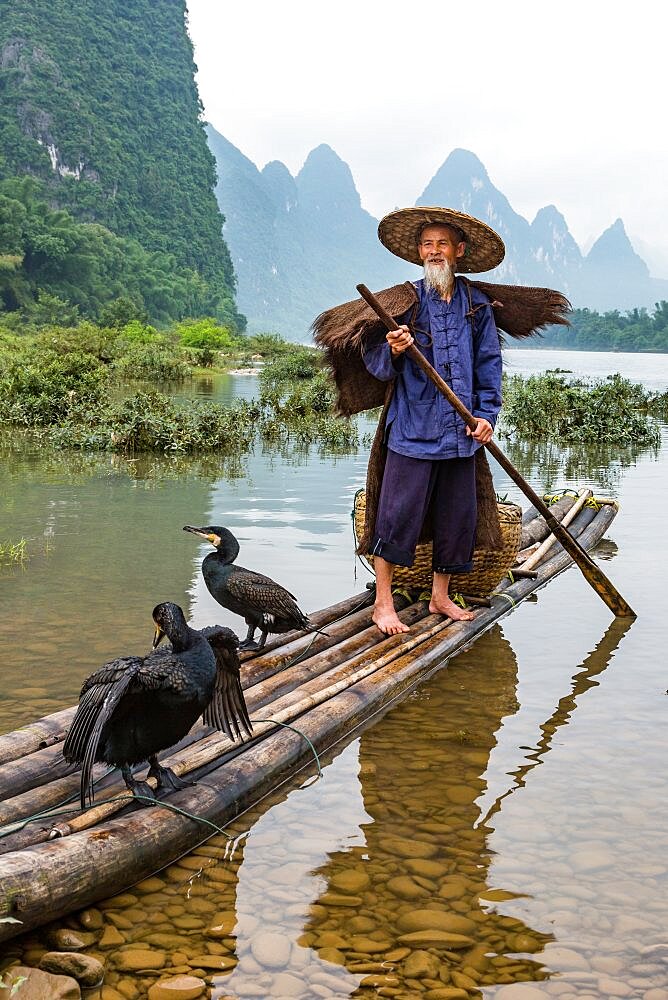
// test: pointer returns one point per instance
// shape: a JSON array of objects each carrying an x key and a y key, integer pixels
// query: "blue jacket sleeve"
[
  {"x": 487, "y": 366},
  {"x": 380, "y": 363}
]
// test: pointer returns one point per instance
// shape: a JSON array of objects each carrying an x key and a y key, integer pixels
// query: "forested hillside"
[
  {"x": 635, "y": 330},
  {"x": 99, "y": 108}
]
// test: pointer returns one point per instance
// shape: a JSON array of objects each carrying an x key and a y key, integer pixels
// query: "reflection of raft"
[{"x": 325, "y": 685}]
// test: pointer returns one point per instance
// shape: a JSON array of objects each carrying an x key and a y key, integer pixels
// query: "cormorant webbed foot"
[
  {"x": 138, "y": 788},
  {"x": 249, "y": 642},
  {"x": 166, "y": 777}
]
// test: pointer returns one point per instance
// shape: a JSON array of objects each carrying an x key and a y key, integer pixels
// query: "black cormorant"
[
  {"x": 134, "y": 707},
  {"x": 260, "y": 600}
]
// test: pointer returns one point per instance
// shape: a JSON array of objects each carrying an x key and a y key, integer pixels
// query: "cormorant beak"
[
  {"x": 197, "y": 531},
  {"x": 158, "y": 636},
  {"x": 207, "y": 536}
]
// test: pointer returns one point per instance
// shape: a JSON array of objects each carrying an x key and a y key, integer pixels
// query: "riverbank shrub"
[
  {"x": 549, "y": 406},
  {"x": 153, "y": 422},
  {"x": 40, "y": 388},
  {"x": 268, "y": 345},
  {"x": 151, "y": 363},
  {"x": 296, "y": 385},
  {"x": 635, "y": 330}
]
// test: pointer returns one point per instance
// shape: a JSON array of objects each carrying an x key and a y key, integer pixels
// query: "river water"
[{"x": 520, "y": 795}]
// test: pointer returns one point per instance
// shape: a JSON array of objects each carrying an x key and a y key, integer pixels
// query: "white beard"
[{"x": 440, "y": 276}]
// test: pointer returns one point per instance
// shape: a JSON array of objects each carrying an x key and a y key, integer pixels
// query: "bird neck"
[
  {"x": 227, "y": 551},
  {"x": 182, "y": 638}
]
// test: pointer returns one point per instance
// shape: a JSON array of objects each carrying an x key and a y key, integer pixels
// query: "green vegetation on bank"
[
  {"x": 97, "y": 388},
  {"x": 636, "y": 330},
  {"x": 73, "y": 388},
  {"x": 107, "y": 178}
]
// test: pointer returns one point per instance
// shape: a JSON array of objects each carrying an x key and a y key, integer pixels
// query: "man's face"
[{"x": 440, "y": 243}]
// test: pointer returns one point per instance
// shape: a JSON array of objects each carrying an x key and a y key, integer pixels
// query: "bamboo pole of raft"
[
  {"x": 319, "y": 619},
  {"x": 35, "y": 736},
  {"x": 592, "y": 573},
  {"x": 60, "y": 870},
  {"x": 368, "y": 637},
  {"x": 536, "y": 529},
  {"x": 266, "y": 665},
  {"x": 545, "y": 546}
]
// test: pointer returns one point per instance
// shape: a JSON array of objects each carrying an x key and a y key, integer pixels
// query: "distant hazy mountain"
[{"x": 300, "y": 244}]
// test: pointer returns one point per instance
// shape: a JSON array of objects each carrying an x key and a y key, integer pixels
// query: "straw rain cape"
[{"x": 519, "y": 311}]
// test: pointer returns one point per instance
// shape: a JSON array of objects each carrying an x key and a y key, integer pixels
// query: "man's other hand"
[
  {"x": 399, "y": 340},
  {"x": 483, "y": 431}
]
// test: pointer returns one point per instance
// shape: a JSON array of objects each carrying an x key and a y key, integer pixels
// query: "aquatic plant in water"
[
  {"x": 548, "y": 406},
  {"x": 13, "y": 552},
  {"x": 151, "y": 421},
  {"x": 41, "y": 388}
]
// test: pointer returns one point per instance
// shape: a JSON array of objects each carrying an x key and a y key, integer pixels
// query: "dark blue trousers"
[{"x": 409, "y": 484}]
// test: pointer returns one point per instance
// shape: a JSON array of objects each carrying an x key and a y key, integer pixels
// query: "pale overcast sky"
[{"x": 563, "y": 102}]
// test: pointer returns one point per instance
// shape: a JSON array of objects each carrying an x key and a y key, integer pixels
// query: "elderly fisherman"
[{"x": 430, "y": 456}]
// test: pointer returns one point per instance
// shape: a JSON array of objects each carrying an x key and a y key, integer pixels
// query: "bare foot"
[
  {"x": 444, "y": 606},
  {"x": 387, "y": 619}
]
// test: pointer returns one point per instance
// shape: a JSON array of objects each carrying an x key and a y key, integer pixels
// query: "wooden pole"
[
  {"x": 545, "y": 546},
  {"x": 592, "y": 573}
]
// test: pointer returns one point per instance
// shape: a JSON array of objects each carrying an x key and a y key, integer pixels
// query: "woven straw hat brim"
[{"x": 399, "y": 232}]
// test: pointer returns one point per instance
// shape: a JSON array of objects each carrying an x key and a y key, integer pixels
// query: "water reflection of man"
[{"x": 425, "y": 851}]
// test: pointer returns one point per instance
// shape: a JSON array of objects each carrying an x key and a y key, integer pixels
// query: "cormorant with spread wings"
[{"x": 134, "y": 707}]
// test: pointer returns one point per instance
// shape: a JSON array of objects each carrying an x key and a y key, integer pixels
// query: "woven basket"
[{"x": 489, "y": 565}]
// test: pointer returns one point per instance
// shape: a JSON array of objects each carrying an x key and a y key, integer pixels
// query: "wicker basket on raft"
[{"x": 489, "y": 565}]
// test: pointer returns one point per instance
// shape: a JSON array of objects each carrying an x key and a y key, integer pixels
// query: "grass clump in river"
[
  {"x": 13, "y": 552},
  {"x": 151, "y": 421},
  {"x": 297, "y": 396},
  {"x": 613, "y": 410}
]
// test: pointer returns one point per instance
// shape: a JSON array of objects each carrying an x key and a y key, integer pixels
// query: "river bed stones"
[
  {"x": 271, "y": 950},
  {"x": 138, "y": 959},
  {"x": 66, "y": 939},
  {"x": 35, "y": 984},
  {"x": 351, "y": 882},
  {"x": 431, "y": 937},
  {"x": 418, "y": 920},
  {"x": 86, "y": 970},
  {"x": 406, "y": 887},
  {"x": 177, "y": 988},
  {"x": 420, "y": 964}
]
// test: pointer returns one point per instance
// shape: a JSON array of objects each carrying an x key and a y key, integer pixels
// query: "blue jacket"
[{"x": 420, "y": 422}]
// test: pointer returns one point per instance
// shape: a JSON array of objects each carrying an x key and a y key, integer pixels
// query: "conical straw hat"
[{"x": 399, "y": 232}]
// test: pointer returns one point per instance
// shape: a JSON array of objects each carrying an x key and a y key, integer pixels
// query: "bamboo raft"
[{"x": 325, "y": 686}]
